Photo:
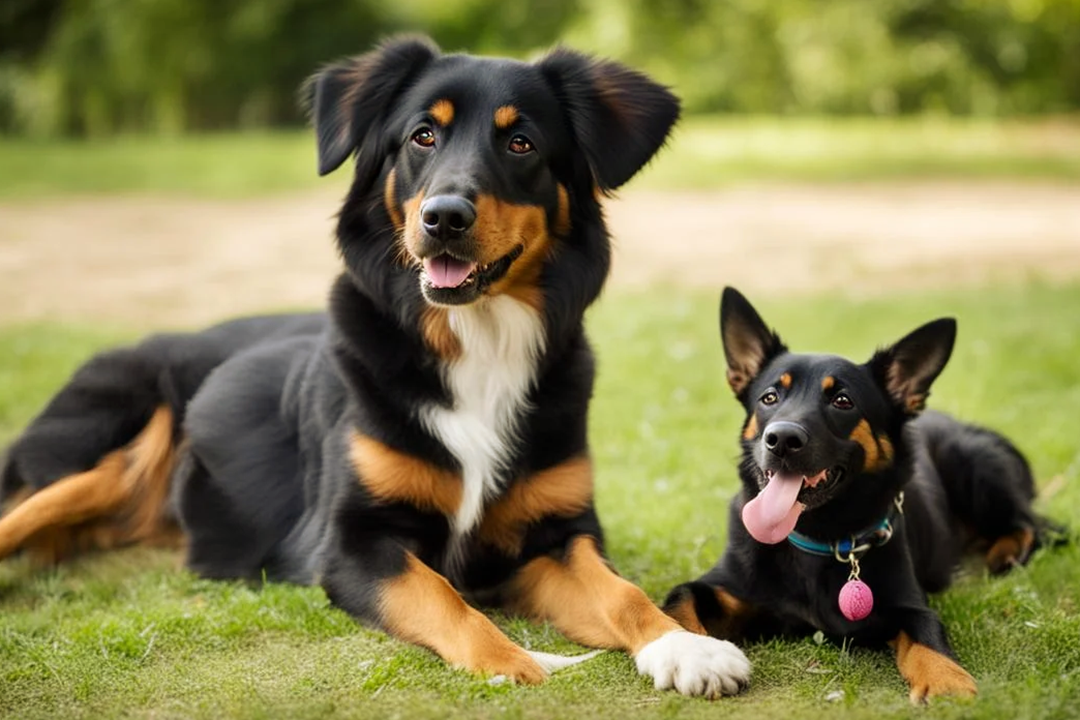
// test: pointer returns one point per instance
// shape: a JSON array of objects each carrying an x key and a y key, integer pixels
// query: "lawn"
[
  {"x": 704, "y": 152},
  {"x": 130, "y": 634}
]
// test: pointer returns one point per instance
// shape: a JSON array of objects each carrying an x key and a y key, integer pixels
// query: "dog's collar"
[{"x": 874, "y": 536}]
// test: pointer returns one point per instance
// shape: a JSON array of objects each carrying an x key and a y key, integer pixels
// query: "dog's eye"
[
  {"x": 769, "y": 398},
  {"x": 842, "y": 402},
  {"x": 520, "y": 145},
  {"x": 424, "y": 137}
]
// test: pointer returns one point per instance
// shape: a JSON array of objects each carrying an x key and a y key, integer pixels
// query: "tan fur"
[
  {"x": 506, "y": 116},
  {"x": 390, "y": 201},
  {"x": 420, "y": 606},
  {"x": 442, "y": 112},
  {"x": 1010, "y": 550},
  {"x": 827, "y": 383},
  {"x": 727, "y": 627},
  {"x": 562, "y": 223},
  {"x": 393, "y": 476},
  {"x": 785, "y": 381},
  {"x": 440, "y": 339},
  {"x": 413, "y": 229},
  {"x": 751, "y": 430},
  {"x": 877, "y": 449},
  {"x": 586, "y": 601},
  {"x": 119, "y": 501},
  {"x": 685, "y": 613},
  {"x": 500, "y": 227},
  {"x": 928, "y": 672},
  {"x": 564, "y": 490}
]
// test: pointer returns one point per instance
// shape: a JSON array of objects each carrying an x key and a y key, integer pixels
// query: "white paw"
[{"x": 694, "y": 664}]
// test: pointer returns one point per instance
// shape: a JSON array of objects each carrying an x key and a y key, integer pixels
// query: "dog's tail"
[{"x": 93, "y": 469}]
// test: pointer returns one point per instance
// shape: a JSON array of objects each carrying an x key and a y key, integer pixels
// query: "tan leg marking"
[
  {"x": 119, "y": 501},
  {"x": 928, "y": 672},
  {"x": 584, "y": 598},
  {"x": 729, "y": 626},
  {"x": 686, "y": 614},
  {"x": 1010, "y": 551},
  {"x": 421, "y": 607}
]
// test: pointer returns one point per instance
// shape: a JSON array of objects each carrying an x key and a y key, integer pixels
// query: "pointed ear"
[
  {"x": 907, "y": 369},
  {"x": 348, "y": 99},
  {"x": 749, "y": 344},
  {"x": 619, "y": 117}
]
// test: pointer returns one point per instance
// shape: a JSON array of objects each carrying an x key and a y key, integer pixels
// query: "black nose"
[
  {"x": 447, "y": 216},
  {"x": 785, "y": 438}
]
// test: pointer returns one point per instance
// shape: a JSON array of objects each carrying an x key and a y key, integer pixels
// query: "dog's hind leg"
[
  {"x": 989, "y": 485},
  {"x": 121, "y": 499}
]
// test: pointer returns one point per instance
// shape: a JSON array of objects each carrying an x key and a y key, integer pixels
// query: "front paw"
[
  {"x": 694, "y": 664},
  {"x": 945, "y": 678},
  {"x": 930, "y": 673},
  {"x": 511, "y": 663}
]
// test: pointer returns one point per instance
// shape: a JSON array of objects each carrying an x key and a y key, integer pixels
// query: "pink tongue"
[
  {"x": 447, "y": 272},
  {"x": 772, "y": 515}
]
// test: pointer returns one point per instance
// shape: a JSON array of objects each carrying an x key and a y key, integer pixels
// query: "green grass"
[
  {"x": 704, "y": 152},
  {"x": 129, "y": 634}
]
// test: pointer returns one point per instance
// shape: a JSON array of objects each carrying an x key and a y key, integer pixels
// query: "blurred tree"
[{"x": 93, "y": 67}]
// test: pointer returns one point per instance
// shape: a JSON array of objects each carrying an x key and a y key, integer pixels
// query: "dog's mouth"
[
  {"x": 449, "y": 280},
  {"x": 772, "y": 515}
]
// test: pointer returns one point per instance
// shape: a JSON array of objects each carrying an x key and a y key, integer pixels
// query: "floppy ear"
[
  {"x": 619, "y": 117},
  {"x": 348, "y": 99},
  {"x": 907, "y": 369},
  {"x": 749, "y": 344}
]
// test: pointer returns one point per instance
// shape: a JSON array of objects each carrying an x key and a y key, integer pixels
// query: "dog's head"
[
  {"x": 480, "y": 166},
  {"x": 821, "y": 430}
]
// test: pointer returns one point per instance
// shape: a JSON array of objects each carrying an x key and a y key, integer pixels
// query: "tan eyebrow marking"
[
  {"x": 506, "y": 116},
  {"x": 442, "y": 112}
]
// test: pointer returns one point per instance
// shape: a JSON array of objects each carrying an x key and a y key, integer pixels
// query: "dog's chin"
[
  {"x": 818, "y": 487},
  {"x": 472, "y": 287}
]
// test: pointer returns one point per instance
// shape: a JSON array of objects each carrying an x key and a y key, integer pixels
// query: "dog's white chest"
[{"x": 501, "y": 341}]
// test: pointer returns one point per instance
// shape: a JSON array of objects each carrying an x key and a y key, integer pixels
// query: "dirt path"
[{"x": 169, "y": 262}]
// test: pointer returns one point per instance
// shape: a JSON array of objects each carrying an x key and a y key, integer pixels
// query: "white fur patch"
[
  {"x": 553, "y": 663},
  {"x": 694, "y": 664},
  {"x": 501, "y": 342}
]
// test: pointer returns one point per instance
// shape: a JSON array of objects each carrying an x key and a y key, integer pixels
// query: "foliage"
[{"x": 97, "y": 67}]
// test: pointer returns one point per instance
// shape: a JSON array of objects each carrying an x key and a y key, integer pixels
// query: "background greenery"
[{"x": 98, "y": 67}]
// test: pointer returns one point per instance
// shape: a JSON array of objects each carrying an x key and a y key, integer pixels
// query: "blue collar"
[{"x": 874, "y": 536}]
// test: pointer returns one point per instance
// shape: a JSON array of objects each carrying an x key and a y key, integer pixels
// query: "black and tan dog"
[
  {"x": 425, "y": 442},
  {"x": 842, "y": 482}
]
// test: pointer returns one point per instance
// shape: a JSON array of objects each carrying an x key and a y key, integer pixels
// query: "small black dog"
[{"x": 875, "y": 506}]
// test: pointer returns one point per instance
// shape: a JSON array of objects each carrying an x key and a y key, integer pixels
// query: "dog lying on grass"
[
  {"x": 424, "y": 443},
  {"x": 855, "y": 504}
]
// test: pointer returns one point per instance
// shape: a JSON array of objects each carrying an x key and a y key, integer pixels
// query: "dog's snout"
[
  {"x": 784, "y": 438},
  {"x": 447, "y": 216}
]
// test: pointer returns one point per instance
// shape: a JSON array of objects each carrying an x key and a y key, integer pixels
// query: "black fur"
[
  {"x": 266, "y": 483},
  {"x": 960, "y": 483}
]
